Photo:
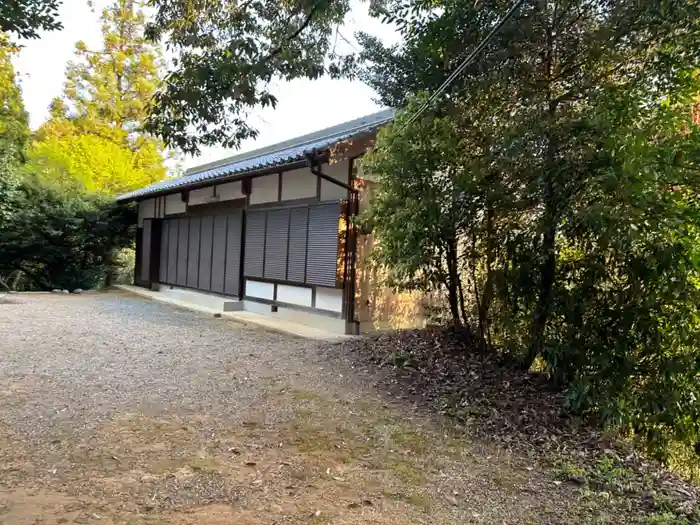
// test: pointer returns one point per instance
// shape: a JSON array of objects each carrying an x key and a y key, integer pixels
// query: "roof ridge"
[
  {"x": 280, "y": 154},
  {"x": 338, "y": 129}
]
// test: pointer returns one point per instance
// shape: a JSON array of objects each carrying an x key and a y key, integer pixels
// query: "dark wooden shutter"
[
  {"x": 276, "y": 237},
  {"x": 296, "y": 259},
  {"x": 163, "y": 268},
  {"x": 218, "y": 256},
  {"x": 172, "y": 251},
  {"x": 255, "y": 243},
  {"x": 182, "y": 247},
  {"x": 204, "y": 282},
  {"x": 233, "y": 253},
  {"x": 322, "y": 253},
  {"x": 146, "y": 251},
  {"x": 193, "y": 255}
]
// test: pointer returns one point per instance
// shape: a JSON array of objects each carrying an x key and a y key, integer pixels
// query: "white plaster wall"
[
  {"x": 298, "y": 184},
  {"x": 339, "y": 171},
  {"x": 230, "y": 191},
  {"x": 146, "y": 211},
  {"x": 294, "y": 295},
  {"x": 329, "y": 299},
  {"x": 264, "y": 189},
  {"x": 201, "y": 196},
  {"x": 174, "y": 204},
  {"x": 147, "y": 207},
  {"x": 259, "y": 290}
]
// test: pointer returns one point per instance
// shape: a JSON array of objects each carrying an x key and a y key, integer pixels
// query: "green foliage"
[
  {"x": 9, "y": 188},
  {"x": 24, "y": 18},
  {"x": 87, "y": 162},
  {"x": 59, "y": 226},
  {"x": 226, "y": 55},
  {"x": 666, "y": 518},
  {"x": 94, "y": 140},
  {"x": 14, "y": 120},
  {"x": 563, "y": 165},
  {"x": 63, "y": 240},
  {"x": 112, "y": 86}
]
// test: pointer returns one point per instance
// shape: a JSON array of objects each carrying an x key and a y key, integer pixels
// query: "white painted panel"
[
  {"x": 201, "y": 196},
  {"x": 147, "y": 207},
  {"x": 259, "y": 290},
  {"x": 339, "y": 171},
  {"x": 329, "y": 299},
  {"x": 146, "y": 211},
  {"x": 264, "y": 189},
  {"x": 298, "y": 184},
  {"x": 174, "y": 204},
  {"x": 294, "y": 295},
  {"x": 230, "y": 191}
]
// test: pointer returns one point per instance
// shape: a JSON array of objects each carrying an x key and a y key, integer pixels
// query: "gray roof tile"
[{"x": 276, "y": 155}]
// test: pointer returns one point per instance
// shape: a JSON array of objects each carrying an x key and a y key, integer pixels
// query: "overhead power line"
[{"x": 465, "y": 64}]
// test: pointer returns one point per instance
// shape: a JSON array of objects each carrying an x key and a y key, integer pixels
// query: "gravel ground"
[{"x": 117, "y": 409}]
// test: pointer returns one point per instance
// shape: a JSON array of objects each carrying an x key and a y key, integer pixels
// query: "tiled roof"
[{"x": 279, "y": 154}]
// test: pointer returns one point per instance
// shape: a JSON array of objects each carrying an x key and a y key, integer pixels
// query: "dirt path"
[{"x": 119, "y": 410}]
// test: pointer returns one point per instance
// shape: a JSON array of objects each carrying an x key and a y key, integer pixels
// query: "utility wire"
[{"x": 465, "y": 64}]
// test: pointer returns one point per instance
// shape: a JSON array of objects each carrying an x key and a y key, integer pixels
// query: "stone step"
[{"x": 205, "y": 300}]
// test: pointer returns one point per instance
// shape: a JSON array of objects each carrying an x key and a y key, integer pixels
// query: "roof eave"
[{"x": 233, "y": 177}]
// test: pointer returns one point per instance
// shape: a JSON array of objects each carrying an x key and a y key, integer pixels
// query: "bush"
[{"x": 61, "y": 240}]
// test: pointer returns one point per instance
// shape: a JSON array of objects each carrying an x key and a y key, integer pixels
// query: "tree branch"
[{"x": 295, "y": 34}]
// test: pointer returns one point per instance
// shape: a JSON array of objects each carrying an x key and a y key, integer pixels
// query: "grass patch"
[
  {"x": 411, "y": 440},
  {"x": 407, "y": 472},
  {"x": 565, "y": 470},
  {"x": 415, "y": 499},
  {"x": 667, "y": 518}
]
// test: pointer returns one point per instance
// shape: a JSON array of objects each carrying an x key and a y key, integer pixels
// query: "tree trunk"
[
  {"x": 544, "y": 303},
  {"x": 452, "y": 284},
  {"x": 548, "y": 252}
]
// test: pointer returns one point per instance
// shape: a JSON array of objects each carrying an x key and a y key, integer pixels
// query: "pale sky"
[{"x": 304, "y": 105}]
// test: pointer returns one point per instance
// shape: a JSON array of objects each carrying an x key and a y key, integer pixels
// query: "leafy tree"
[
  {"x": 95, "y": 139},
  {"x": 14, "y": 120},
  {"x": 113, "y": 86},
  {"x": 90, "y": 163},
  {"x": 14, "y": 131},
  {"x": 9, "y": 188},
  {"x": 226, "y": 54},
  {"x": 573, "y": 134},
  {"x": 63, "y": 240},
  {"x": 24, "y": 18}
]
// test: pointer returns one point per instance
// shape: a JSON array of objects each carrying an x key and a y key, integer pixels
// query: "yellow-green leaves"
[
  {"x": 92, "y": 163},
  {"x": 94, "y": 140}
]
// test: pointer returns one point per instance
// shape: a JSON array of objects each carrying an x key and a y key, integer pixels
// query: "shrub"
[{"x": 61, "y": 240}]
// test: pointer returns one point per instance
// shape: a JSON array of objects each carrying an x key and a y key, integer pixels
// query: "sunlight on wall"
[{"x": 378, "y": 307}]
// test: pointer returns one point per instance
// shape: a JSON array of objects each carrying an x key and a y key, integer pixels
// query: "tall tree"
[
  {"x": 544, "y": 74},
  {"x": 226, "y": 53},
  {"x": 87, "y": 162},
  {"x": 14, "y": 120},
  {"x": 577, "y": 115},
  {"x": 26, "y": 17},
  {"x": 14, "y": 132},
  {"x": 112, "y": 86},
  {"x": 104, "y": 105}
]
